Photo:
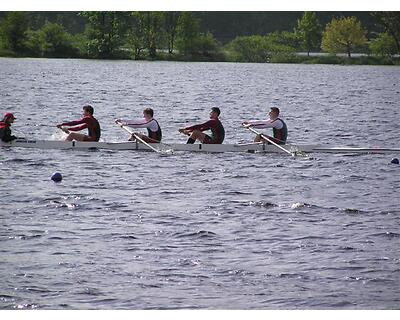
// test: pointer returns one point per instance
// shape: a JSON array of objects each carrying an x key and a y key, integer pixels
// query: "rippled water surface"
[{"x": 139, "y": 230}]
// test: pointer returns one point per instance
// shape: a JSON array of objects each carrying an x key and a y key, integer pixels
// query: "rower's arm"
[
  {"x": 78, "y": 128},
  {"x": 202, "y": 127},
  {"x": 72, "y": 123},
  {"x": 136, "y": 123},
  {"x": 260, "y": 124}
]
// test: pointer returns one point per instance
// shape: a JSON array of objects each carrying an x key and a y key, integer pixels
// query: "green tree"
[
  {"x": 136, "y": 35},
  {"x": 145, "y": 32},
  {"x": 106, "y": 31},
  {"x": 281, "y": 46},
  {"x": 384, "y": 45},
  {"x": 51, "y": 40},
  {"x": 79, "y": 43},
  {"x": 55, "y": 41},
  {"x": 391, "y": 23},
  {"x": 308, "y": 30},
  {"x": 284, "y": 41},
  {"x": 207, "y": 45},
  {"x": 171, "y": 24},
  {"x": 14, "y": 30},
  {"x": 33, "y": 43},
  {"x": 154, "y": 32},
  {"x": 272, "y": 47},
  {"x": 188, "y": 33},
  {"x": 249, "y": 49},
  {"x": 343, "y": 35}
]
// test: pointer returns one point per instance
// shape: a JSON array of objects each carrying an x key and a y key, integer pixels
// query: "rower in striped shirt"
[
  {"x": 154, "y": 133},
  {"x": 278, "y": 126}
]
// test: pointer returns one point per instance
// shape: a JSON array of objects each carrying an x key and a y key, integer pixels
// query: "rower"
[
  {"x": 5, "y": 127},
  {"x": 88, "y": 121},
  {"x": 148, "y": 122},
  {"x": 278, "y": 126},
  {"x": 214, "y": 124}
]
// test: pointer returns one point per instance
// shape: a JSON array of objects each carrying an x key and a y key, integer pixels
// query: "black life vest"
[
  {"x": 5, "y": 132},
  {"x": 155, "y": 135},
  {"x": 281, "y": 134}
]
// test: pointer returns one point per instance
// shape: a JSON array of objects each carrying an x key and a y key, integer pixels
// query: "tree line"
[{"x": 181, "y": 36}]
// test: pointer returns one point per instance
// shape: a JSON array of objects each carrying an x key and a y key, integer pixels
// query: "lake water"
[{"x": 139, "y": 230}]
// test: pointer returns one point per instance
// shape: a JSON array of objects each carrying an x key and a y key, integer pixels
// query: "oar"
[
  {"x": 43, "y": 125},
  {"x": 270, "y": 141},
  {"x": 137, "y": 137}
]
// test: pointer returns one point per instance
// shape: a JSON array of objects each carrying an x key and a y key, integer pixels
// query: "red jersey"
[
  {"x": 88, "y": 122},
  {"x": 216, "y": 127}
]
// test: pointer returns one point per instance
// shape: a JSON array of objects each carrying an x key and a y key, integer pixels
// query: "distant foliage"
[
  {"x": 14, "y": 31},
  {"x": 136, "y": 34},
  {"x": 192, "y": 36},
  {"x": 171, "y": 25},
  {"x": 391, "y": 23},
  {"x": 53, "y": 41},
  {"x": 188, "y": 33},
  {"x": 208, "y": 45},
  {"x": 343, "y": 35},
  {"x": 155, "y": 32},
  {"x": 384, "y": 45},
  {"x": 248, "y": 49},
  {"x": 79, "y": 42},
  {"x": 282, "y": 41},
  {"x": 308, "y": 31},
  {"x": 260, "y": 48},
  {"x": 105, "y": 33}
]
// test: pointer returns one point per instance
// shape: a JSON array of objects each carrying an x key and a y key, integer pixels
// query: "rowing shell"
[{"x": 128, "y": 145}]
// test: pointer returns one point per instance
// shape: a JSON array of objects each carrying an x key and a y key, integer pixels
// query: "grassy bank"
[
  {"x": 226, "y": 57},
  {"x": 363, "y": 60}
]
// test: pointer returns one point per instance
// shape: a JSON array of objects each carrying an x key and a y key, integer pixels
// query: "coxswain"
[
  {"x": 278, "y": 126},
  {"x": 88, "y": 121},
  {"x": 154, "y": 133},
  {"x": 195, "y": 132},
  {"x": 5, "y": 127}
]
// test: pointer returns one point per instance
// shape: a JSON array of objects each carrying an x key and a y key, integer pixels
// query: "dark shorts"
[
  {"x": 209, "y": 140},
  {"x": 90, "y": 139},
  {"x": 277, "y": 141},
  {"x": 149, "y": 140}
]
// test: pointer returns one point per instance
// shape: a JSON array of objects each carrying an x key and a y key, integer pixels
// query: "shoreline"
[{"x": 298, "y": 58}]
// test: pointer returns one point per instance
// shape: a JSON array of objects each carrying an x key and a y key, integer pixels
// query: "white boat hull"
[{"x": 213, "y": 148}]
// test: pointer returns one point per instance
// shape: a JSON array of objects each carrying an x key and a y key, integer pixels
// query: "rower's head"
[
  {"x": 8, "y": 118},
  {"x": 274, "y": 113},
  {"x": 148, "y": 113},
  {"x": 88, "y": 110},
  {"x": 214, "y": 113}
]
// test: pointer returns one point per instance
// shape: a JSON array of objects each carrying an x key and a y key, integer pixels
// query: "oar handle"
[
  {"x": 63, "y": 129},
  {"x": 136, "y": 136},
  {"x": 269, "y": 140},
  {"x": 185, "y": 132}
]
